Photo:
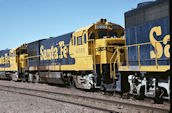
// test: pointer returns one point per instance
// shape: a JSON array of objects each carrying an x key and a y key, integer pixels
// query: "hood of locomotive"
[{"x": 105, "y": 48}]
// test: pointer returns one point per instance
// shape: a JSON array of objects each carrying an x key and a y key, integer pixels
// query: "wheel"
[
  {"x": 121, "y": 94},
  {"x": 71, "y": 82},
  {"x": 23, "y": 79},
  {"x": 36, "y": 78},
  {"x": 159, "y": 97},
  {"x": 15, "y": 76},
  {"x": 8, "y": 77},
  {"x": 30, "y": 78},
  {"x": 142, "y": 94}
]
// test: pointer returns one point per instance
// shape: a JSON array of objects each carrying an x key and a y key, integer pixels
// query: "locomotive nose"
[{"x": 106, "y": 48}]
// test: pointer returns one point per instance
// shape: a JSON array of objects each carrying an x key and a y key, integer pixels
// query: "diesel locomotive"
[
  {"x": 99, "y": 56},
  {"x": 147, "y": 62},
  {"x": 81, "y": 58}
]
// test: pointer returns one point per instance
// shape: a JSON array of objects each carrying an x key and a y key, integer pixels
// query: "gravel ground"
[
  {"x": 15, "y": 103},
  {"x": 18, "y": 103}
]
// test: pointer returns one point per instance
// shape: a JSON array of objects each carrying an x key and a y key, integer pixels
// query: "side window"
[
  {"x": 13, "y": 54},
  {"x": 74, "y": 39},
  {"x": 79, "y": 40},
  {"x": 92, "y": 36},
  {"x": 102, "y": 34},
  {"x": 113, "y": 34},
  {"x": 85, "y": 39}
]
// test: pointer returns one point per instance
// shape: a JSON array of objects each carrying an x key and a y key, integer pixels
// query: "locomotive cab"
[
  {"x": 109, "y": 37},
  {"x": 93, "y": 47},
  {"x": 21, "y": 62},
  {"x": 21, "y": 57}
]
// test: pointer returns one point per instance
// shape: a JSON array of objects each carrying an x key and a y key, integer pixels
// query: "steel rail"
[{"x": 141, "y": 107}]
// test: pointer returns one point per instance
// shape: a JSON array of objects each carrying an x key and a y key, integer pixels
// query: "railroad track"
[{"x": 106, "y": 105}]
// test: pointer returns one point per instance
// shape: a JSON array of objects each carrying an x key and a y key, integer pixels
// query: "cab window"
[
  {"x": 102, "y": 34},
  {"x": 107, "y": 34},
  {"x": 79, "y": 40},
  {"x": 92, "y": 36},
  {"x": 13, "y": 54},
  {"x": 113, "y": 34},
  {"x": 74, "y": 40},
  {"x": 85, "y": 39}
]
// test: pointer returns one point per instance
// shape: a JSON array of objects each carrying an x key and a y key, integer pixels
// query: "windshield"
[{"x": 107, "y": 34}]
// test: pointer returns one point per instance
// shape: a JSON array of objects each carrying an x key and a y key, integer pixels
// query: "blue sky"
[{"x": 24, "y": 21}]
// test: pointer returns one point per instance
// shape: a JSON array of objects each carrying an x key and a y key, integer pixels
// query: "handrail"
[
  {"x": 138, "y": 46},
  {"x": 93, "y": 52},
  {"x": 94, "y": 60},
  {"x": 114, "y": 72},
  {"x": 139, "y": 56},
  {"x": 127, "y": 57},
  {"x": 156, "y": 62},
  {"x": 111, "y": 63},
  {"x": 116, "y": 61}
]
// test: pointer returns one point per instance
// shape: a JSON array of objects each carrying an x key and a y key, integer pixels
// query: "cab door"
[
  {"x": 22, "y": 62},
  {"x": 22, "y": 59}
]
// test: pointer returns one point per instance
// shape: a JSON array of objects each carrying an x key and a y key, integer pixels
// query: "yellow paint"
[
  {"x": 95, "y": 50},
  {"x": 52, "y": 53},
  {"x": 4, "y": 59},
  {"x": 22, "y": 63},
  {"x": 167, "y": 47},
  {"x": 11, "y": 60},
  {"x": 104, "y": 52},
  {"x": 23, "y": 60},
  {"x": 157, "y": 45}
]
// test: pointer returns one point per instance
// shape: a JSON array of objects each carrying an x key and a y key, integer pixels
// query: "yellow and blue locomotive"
[
  {"x": 13, "y": 62},
  {"x": 81, "y": 58},
  {"x": 147, "y": 61}
]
